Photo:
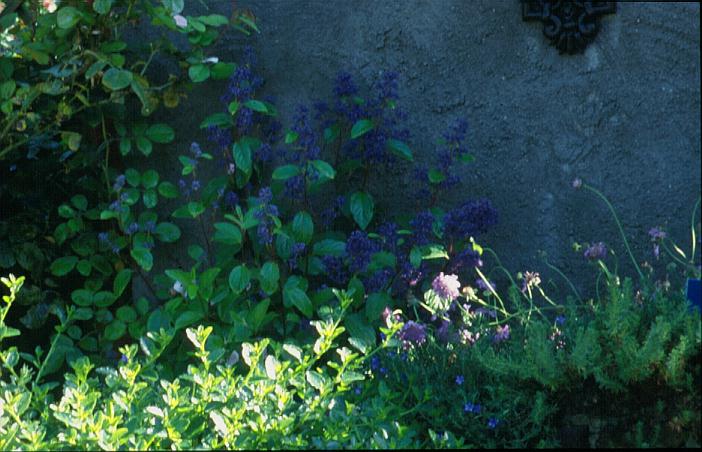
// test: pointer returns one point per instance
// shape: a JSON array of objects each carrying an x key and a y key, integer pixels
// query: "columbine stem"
[{"x": 619, "y": 225}]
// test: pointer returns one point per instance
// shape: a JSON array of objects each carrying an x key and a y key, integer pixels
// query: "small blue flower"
[
  {"x": 375, "y": 363},
  {"x": 124, "y": 359},
  {"x": 358, "y": 390},
  {"x": 103, "y": 237},
  {"x": 132, "y": 228},
  {"x": 460, "y": 380},
  {"x": 492, "y": 423},
  {"x": 560, "y": 320}
]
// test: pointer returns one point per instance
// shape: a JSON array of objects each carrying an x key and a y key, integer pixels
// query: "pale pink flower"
[{"x": 180, "y": 21}]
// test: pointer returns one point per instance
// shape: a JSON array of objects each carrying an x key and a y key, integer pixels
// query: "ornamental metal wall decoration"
[{"x": 569, "y": 25}]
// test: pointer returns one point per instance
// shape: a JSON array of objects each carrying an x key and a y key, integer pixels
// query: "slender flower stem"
[{"x": 619, "y": 225}]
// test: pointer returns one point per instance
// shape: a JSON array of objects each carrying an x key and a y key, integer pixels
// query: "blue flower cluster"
[
  {"x": 265, "y": 211},
  {"x": 470, "y": 219}
]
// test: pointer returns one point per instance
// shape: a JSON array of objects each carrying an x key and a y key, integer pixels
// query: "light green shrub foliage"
[{"x": 275, "y": 396}]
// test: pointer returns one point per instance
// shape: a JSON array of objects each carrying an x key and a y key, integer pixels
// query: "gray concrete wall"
[{"x": 624, "y": 116}]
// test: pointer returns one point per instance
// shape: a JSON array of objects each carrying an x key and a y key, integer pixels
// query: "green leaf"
[
  {"x": 149, "y": 178},
  {"x": 361, "y": 127},
  {"x": 217, "y": 119},
  {"x": 115, "y": 330},
  {"x": 359, "y": 329},
  {"x": 188, "y": 318},
  {"x": 104, "y": 299},
  {"x": 82, "y": 297},
  {"x": 315, "y": 379},
  {"x": 150, "y": 198},
  {"x": 167, "y": 232},
  {"x": 242, "y": 156},
  {"x": 214, "y": 20},
  {"x": 67, "y": 17},
  {"x": 331, "y": 133},
  {"x": 199, "y": 73},
  {"x": 83, "y": 314},
  {"x": 329, "y": 247},
  {"x": 401, "y": 149},
  {"x": 285, "y": 172},
  {"x": 295, "y": 296},
  {"x": 84, "y": 267},
  {"x": 121, "y": 281},
  {"x": 221, "y": 71},
  {"x": 195, "y": 209},
  {"x": 102, "y": 6},
  {"x": 291, "y": 137},
  {"x": 375, "y": 304},
  {"x": 133, "y": 177},
  {"x": 143, "y": 257},
  {"x": 174, "y": 6},
  {"x": 7, "y": 88},
  {"x": 160, "y": 133},
  {"x": 324, "y": 168},
  {"x": 80, "y": 202},
  {"x": 303, "y": 227},
  {"x": 66, "y": 211},
  {"x": 269, "y": 276},
  {"x": 466, "y": 158},
  {"x": 436, "y": 176},
  {"x": 434, "y": 252},
  {"x": 239, "y": 279},
  {"x": 63, "y": 265},
  {"x": 227, "y": 233},
  {"x": 361, "y": 205},
  {"x": 167, "y": 190},
  {"x": 116, "y": 79},
  {"x": 144, "y": 145},
  {"x": 127, "y": 314},
  {"x": 256, "y": 105},
  {"x": 349, "y": 377},
  {"x": 125, "y": 145}
]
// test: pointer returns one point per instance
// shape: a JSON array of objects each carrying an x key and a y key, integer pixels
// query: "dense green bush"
[{"x": 303, "y": 316}]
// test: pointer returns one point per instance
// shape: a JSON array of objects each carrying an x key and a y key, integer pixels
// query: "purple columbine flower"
[
  {"x": 657, "y": 233},
  {"x": 596, "y": 251},
  {"x": 502, "y": 334},
  {"x": 446, "y": 286}
]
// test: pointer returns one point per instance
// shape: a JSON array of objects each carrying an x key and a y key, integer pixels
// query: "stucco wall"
[{"x": 624, "y": 116}]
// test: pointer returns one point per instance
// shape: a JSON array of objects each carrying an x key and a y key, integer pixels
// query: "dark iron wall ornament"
[{"x": 569, "y": 25}]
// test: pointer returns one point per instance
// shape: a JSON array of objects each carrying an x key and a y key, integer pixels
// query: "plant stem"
[{"x": 619, "y": 225}]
